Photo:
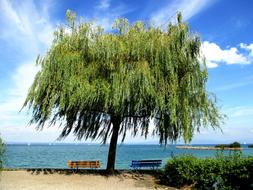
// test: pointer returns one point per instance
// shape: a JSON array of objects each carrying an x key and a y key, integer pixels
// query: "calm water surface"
[{"x": 56, "y": 156}]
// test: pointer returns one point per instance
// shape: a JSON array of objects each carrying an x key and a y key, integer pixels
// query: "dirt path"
[{"x": 28, "y": 180}]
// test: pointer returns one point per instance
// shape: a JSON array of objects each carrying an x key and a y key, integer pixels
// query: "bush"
[
  {"x": 221, "y": 172},
  {"x": 1, "y": 153}
]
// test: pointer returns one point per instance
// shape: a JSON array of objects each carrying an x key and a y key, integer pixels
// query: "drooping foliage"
[{"x": 135, "y": 73}]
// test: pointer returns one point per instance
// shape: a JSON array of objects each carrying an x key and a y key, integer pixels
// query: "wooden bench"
[
  {"x": 84, "y": 164},
  {"x": 137, "y": 164}
]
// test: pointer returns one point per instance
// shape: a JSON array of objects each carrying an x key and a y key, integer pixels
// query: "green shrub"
[
  {"x": 221, "y": 172},
  {"x": 181, "y": 171},
  {"x": 1, "y": 153}
]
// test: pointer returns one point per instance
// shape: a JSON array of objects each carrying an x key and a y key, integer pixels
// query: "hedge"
[{"x": 221, "y": 172}]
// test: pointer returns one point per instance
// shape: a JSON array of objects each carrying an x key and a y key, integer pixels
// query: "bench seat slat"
[{"x": 84, "y": 164}]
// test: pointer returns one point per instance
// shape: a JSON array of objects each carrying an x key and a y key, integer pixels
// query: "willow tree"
[{"x": 101, "y": 84}]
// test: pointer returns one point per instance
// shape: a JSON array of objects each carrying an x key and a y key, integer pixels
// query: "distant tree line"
[{"x": 232, "y": 145}]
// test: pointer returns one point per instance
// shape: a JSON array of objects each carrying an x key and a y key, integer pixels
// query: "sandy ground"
[{"x": 36, "y": 180}]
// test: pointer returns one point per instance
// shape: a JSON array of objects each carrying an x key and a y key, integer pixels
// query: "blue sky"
[{"x": 226, "y": 32}]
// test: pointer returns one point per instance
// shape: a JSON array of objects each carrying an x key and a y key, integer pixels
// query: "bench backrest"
[
  {"x": 84, "y": 164},
  {"x": 146, "y": 163}
]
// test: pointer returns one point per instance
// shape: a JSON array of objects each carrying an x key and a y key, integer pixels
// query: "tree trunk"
[{"x": 113, "y": 145}]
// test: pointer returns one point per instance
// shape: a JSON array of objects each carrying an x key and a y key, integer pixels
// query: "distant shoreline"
[{"x": 206, "y": 148}]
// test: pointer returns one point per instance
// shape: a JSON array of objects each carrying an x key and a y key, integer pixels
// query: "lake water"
[{"x": 57, "y": 156}]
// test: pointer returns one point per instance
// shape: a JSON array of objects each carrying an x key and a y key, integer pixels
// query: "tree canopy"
[{"x": 91, "y": 80}]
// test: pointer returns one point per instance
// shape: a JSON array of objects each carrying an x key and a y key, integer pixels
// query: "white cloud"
[
  {"x": 236, "y": 127},
  {"x": 7, "y": 10},
  {"x": 214, "y": 55},
  {"x": 240, "y": 111},
  {"x": 30, "y": 30},
  {"x": 234, "y": 85},
  {"x": 186, "y": 7},
  {"x": 27, "y": 28},
  {"x": 10, "y": 107},
  {"x": 228, "y": 135},
  {"x": 25, "y": 133},
  {"x": 23, "y": 78},
  {"x": 104, "y": 4},
  {"x": 106, "y": 22},
  {"x": 103, "y": 16},
  {"x": 210, "y": 64},
  {"x": 247, "y": 47}
]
